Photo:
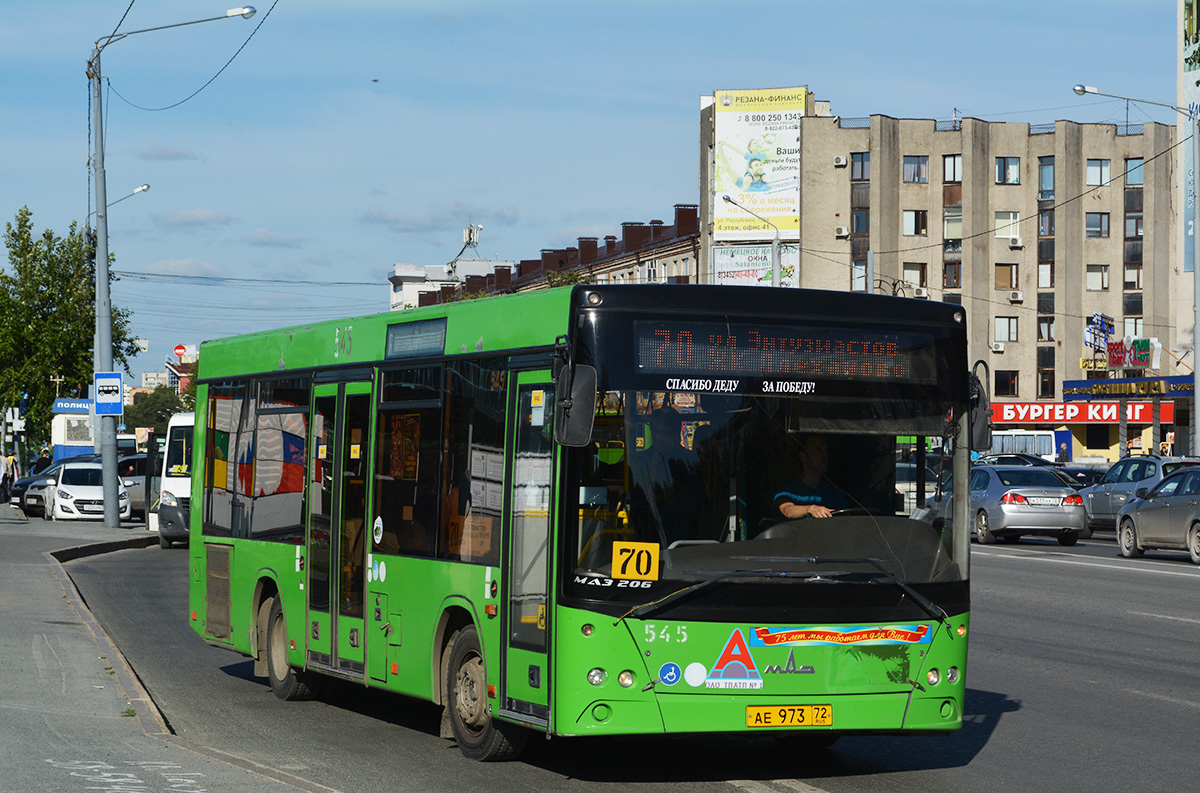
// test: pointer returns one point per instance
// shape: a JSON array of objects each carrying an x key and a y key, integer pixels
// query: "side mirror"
[
  {"x": 1142, "y": 492},
  {"x": 575, "y": 411},
  {"x": 51, "y": 482},
  {"x": 981, "y": 410}
]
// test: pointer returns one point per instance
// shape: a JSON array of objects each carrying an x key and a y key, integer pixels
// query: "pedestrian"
[
  {"x": 1064, "y": 454},
  {"x": 42, "y": 463}
]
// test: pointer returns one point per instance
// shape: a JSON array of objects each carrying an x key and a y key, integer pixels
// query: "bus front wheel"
[
  {"x": 286, "y": 682},
  {"x": 479, "y": 736}
]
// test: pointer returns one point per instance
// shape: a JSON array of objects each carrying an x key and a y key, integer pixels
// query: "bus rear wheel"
[
  {"x": 286, "y": 682},
  {"x": 479, "y": 736}
]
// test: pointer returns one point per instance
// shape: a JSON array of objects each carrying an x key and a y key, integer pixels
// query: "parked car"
[
  {"x": 77, "y": 492},
  {"x": 1009, "y": 501},
  {"x": 1082, "y": 475},
  {"x": 1165, "y": 517},
  {"x": 28, "y": 492},
  {"x": 906, "y": 484},
  {"x": 132, "y": 470},
  {"x": 1013, "y": 458},
  {"x": 1104, "y": 500}
]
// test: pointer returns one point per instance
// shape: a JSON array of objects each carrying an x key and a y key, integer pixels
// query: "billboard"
[
  {"x": 756, "y": 162},
  {"x": 750, "y": 265}
]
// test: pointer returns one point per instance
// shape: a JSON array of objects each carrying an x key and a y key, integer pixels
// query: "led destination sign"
[{"x": 762, "y": 351}]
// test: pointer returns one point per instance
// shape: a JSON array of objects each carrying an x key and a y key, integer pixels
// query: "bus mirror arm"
[{"x": 575, "y": 407}]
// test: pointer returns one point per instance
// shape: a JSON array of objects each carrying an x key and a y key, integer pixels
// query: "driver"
[{"x": 810, "y": 495}]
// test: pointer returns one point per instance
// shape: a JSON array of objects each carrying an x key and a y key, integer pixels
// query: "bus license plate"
[{"x": 789, "y": 716}]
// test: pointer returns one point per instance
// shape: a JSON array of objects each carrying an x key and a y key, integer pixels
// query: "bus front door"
[
  {"x": 341, "y": 425},
  {"x": 525, "y": 663}
]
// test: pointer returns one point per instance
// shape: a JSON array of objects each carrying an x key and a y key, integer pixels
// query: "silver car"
[
  {"x": 1167, "y": 517},
  {"x": 1009, "y": 501},
  {"x": 1105, "y": 499}
]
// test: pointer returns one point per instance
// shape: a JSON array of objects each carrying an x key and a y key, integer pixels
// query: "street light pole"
[
  {"x": 775, "y": 243},
  {"x": 103, "y": 356},
  {"x": 1081, "y": 90}
]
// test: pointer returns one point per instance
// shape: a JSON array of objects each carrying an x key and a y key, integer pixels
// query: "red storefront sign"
[{"x": 1079, "y": 412}]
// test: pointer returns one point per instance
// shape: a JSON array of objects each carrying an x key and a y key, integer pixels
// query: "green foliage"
[
  {"x": 460, "y": 296},
  {"x": 48, "y": 321},
  {"x": 154, "y": 409},
  {"x": 568, "y": 278}
]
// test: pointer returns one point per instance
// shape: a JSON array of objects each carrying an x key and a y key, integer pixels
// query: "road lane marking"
[
  {"x": 750, "y": 786},
  {"x": 1064, "y": 559},
  {"x": 1162, "y": 698},
  {"x": 1164, "y": 617}
]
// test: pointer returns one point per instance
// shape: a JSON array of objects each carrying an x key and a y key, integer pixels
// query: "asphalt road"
[{"x": 1083, "y": 676}]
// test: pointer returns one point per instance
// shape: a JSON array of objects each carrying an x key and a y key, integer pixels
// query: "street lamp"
[
  {"x": 1081, "y": 90},
  {"x": 774, "y": 243},
  {"x": 103, "y": 361}
]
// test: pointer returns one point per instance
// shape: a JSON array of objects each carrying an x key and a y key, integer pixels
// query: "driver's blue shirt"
[{"x": 798, "y": 491}]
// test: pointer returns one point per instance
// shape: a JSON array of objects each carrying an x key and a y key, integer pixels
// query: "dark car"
[
  {"x": 1105, "y": 499},
  {"x": 1166, "y": 517}
]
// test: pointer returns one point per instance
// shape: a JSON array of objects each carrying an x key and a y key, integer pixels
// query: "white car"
[{"x": 77, "y": 492}]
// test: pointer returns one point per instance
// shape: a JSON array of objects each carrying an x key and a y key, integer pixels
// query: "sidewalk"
[{"x": 73, "y": 717}]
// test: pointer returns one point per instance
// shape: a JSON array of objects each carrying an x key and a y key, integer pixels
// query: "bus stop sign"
[{"x": 108, "y": 392}]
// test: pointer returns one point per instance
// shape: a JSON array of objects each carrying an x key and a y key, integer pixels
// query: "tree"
[
  {"x": 154, "y": 410},
  {"x": 48, "y": 320}
]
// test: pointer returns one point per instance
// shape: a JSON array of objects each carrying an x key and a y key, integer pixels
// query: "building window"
[
  {"x": 1097, "y": 224},
  {"x": 1046, "y": 328},
  {"x": 1133, "y": 276},
  {"x": 1045, "y": 178},
  {"x": 1045, "y": 383},
  {"x": 1133, "y": 327},
  {"x": 952, "y": 224},
  {"x": 1097, "y": 278},
  {"x": 1133, "y": 225},
  {"x": 916, "y": 222},
  {"x": 858, "y": 276},
  {"x": 1046, "y": 223},
  {"x": 1008, "y": 170},
  {"x": 860, "y": 166},
  {"x": 914, "y": 273},
  {"x": 951, "y": 274},
  {"x": 860, "y": 221},
  {"x": 1006, "y": 276},
  {"x": 1006, "y": 384},
  {"x": 1134, "y": 175},
  {"x": 1007, "y": 224},
  {"x": 1006, "y": 329},
  {"x": 1045, "y": 275},
  {"x": 916, "y": 168},
  {"x": 952, "y": 168},
  {"x": 1098, "y": 172}
]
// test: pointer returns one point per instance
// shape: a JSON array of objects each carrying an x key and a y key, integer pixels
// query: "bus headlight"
[
  {"x": 952, "y": 675},
  {"x": 625, "y": 679},
  {"x": 168, "y": 500},
  {"x": 933, "y": 676},
  {"x": 597, "y": 676}
]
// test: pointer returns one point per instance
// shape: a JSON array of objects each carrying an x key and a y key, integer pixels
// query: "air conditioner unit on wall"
[
  {"x": 921, "y": 292},
  {"x": 841, "y": 231},
  {"x": 1015, "y": 296},
  {"x": 839, "y": 161},
  {"x": 1015, "y": 242},
  {"x": 997, "y": 346}
]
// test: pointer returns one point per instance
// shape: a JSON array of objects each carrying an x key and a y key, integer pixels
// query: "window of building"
[
  {"x": 1133, "y": 225},
  {"x": 1098, "y": 172},
  {"x": 1045, "y": 178},
  {"x": 1045, "y": 383},
  {"x": 951, "y": 275},
  {"x": 916, "y": 222},
  {"x": 1007, "y": 224},
  {"x": 1133, "y": 327},
  {"x": 916, "y": 168},
  {"x": 952, "y": 223},
  {"x": 1133, "y": 276},
  {"x": 860, "y": 166},
  {"x": 1134, "y": 175},
  {"x": 1006, "y": 276},
  {"x": 1097, "y": 278},
  {"x": 858, "y": 276},
  {"x": 1046, "y": 223},
  {"x": 1006, "y": 329},
  {"x": 952, "y": 168},
  {"x": 1006, "y": 384},
  {"x": 915, "y": 273},
  {"x": 1008, "y": 170},
  {"x": 1045, "y": 275},
  {"x": 652, "y": 271},
  {"x": 1046, "y": 328},
  {"x": 1131, "y": 304},
  {"x": 1045, "y": 303},
  {"x": 1096, "y": 224}
]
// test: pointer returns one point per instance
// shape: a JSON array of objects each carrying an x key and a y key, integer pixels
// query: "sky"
[{"x": 295, "y": 156}]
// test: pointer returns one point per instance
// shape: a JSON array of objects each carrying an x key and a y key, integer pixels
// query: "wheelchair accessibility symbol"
[{"x": 669, "y": 673}]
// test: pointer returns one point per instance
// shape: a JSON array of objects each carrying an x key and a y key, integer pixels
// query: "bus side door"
[
  {"x": 525, "y": 662},
  {"x": 341, "y": 425}
]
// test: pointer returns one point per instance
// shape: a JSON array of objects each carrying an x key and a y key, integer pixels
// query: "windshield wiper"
[
  {"x": 927, "y": 605},
  {"x": 654, "y": 605}
]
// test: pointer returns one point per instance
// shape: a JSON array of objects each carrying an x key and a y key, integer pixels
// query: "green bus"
[{"x": 566, "y": 511}]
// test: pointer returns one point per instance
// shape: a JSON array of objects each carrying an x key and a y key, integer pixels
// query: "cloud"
[
  {"x": 265, "y": 239},
  {"x": 450, "y": 216},
  {"x": 186, "y": 267},
  {"x": 192, "y": 218},
  {"x": 166, "y": 153}
]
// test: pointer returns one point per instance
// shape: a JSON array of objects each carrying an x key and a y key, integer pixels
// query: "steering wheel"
[{"x": 851, "y": 511}]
